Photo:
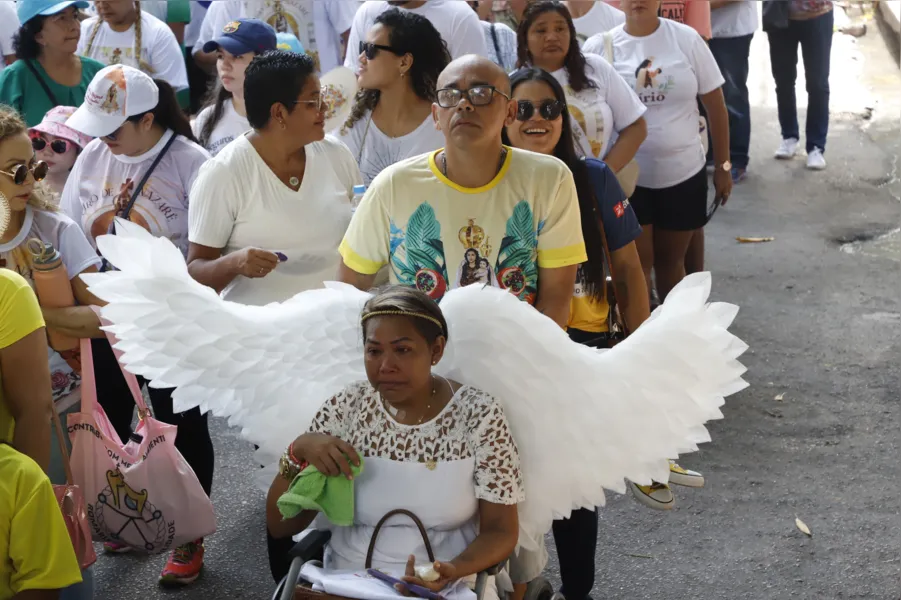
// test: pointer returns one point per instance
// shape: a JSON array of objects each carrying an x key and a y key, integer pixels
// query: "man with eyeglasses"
[{"x": 474, "y": 212}]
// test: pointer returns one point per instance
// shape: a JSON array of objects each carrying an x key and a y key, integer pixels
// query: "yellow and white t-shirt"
[
  {"x": 436, "y": 235},
  {"x": 20, "y": 315},
  {"x": 35, "y": 549}
]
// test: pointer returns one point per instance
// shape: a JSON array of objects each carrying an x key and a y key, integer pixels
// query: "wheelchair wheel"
[{"x": 539, "y": 589}]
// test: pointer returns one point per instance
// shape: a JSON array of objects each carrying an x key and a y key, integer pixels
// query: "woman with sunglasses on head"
[
  {"x": 49, "y": 72},
  {"x": 609, "y": 227},
  {"x": 392, "y": 118},
  {"x": 280, "y": 237},
  {"x": 224, "y": 118},
  {"x": 32, "y": 216},
  {"x": 140, "y": 168},
  {"x": 607, "y": 115},
  {"x": 58, "y": 145}
]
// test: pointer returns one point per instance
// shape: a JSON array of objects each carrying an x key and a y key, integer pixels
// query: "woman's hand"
[
  {"x": 447, "y": 574},
  {"x": 253, "y": 262},
  {"x": 722, "y": 183},
  {"x": 327, "y": 453}
]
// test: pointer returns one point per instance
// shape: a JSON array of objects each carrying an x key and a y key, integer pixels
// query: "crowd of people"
[{"x": 562, "y": 151}]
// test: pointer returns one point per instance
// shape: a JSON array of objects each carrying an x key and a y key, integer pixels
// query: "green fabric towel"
[{"x": 332, "y": 496}]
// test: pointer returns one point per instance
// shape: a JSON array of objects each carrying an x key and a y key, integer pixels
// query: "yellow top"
[
  {"x": 35, "y": 549},
  {"x": 20, "y": 315},
  {"x": 437, "y": 235}
]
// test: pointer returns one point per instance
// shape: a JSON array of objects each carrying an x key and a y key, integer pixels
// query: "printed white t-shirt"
[
  {"x": 602, "y": 17},
  {"x": 229, "y": 127},
  {"x": 100, "y": 181},
  {"x": 9, "y": 26},
  {"x": 598, "y": 114},
  {"x": 734, "y": 19},
  {"x": 457, "y": 23},
  {"x": 159, "y": 48},
  {"x": 318, "y": 24},
  {"x": 238, "y": 202},
  {"x": 375, "y": 151},
  {"x": 668, "y": 69},
  {"x": 77, "y": 255}
]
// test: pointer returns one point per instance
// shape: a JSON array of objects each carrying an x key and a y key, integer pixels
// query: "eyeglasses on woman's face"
[
  {"x": 370, "y": 50},
  {"x": 19, "y": 173},
  {"x": 316, "y": 104},
  {"x": 479, "y": 95},
  {"x": 548, "y": 109}
]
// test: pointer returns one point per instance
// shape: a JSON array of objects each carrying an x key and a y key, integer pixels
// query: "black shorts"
[{"x": 682, "y": 207}]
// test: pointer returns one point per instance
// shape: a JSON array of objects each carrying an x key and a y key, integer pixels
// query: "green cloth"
[
  {"x": 332, "y": 496},
  {"x": 21, "y": 90},
  {"x": 178, "y": 11}
]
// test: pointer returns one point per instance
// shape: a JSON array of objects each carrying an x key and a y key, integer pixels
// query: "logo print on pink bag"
[{"x": 119, "y": 508}]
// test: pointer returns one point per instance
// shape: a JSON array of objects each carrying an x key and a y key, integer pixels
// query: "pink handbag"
[
  {"x": 142, "y": 494},
  {"x": 72, "y": 506}
]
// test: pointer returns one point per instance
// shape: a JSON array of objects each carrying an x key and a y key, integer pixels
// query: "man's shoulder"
[
  {"x": 406, "y": 170},
  {"x": 538, "y": 165}
]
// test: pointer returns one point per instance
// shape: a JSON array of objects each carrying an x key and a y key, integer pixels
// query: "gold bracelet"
[{"x": 287, "y": 468}]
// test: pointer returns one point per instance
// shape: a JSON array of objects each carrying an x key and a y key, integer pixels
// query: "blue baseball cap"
[
  {"x": 289, "y": 43},
  {"x": 243, "y": 36},
  {"x": 29, "y": 9}
]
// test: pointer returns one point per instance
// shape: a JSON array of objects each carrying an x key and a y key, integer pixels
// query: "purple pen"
[
  {"x": 416, "y": 590},
  {"x": 281, "y": 257}
]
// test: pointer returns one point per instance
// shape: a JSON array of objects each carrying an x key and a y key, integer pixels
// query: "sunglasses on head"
[
  {"x": 370, "y": 50},
  {"x": 19, "y": 173},
  {"x": 548, "y": 109},
  {"x": 58, "y": 146}
]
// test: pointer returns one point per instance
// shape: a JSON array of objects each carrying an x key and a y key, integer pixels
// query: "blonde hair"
[
  {"x": 11, "y": 124},
  {"x": 142, "y": 64}
]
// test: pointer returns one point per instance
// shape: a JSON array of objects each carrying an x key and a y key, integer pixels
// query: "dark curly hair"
[
  {"x": 24, "y": 42},
  {"x": 574, "y": 62},
  {"x": 274, "y": 77},
  {"x": 408, "y": 33}
]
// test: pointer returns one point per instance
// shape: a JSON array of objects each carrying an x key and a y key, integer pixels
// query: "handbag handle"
[
  {"x": 378, "y": 529},
  {"x": 89, "y": 384},
  {"x": 64, "y": 452}
]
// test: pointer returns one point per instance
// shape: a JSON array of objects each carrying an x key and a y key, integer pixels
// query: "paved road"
[{"x": 823, "y": 324}]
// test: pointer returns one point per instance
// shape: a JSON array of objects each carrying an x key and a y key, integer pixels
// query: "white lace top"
[{"x": 472, "y": 425}]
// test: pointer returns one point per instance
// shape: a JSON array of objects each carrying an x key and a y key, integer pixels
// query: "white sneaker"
[
  {"x": 787, "y": 149},
  {"x": 815, "y": 160}
]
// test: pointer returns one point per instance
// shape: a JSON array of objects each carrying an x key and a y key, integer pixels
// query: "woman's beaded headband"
[{"x": 402, "y": 313}]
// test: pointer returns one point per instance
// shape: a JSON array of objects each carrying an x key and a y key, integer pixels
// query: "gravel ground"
[{"x": 822, "y": 319}]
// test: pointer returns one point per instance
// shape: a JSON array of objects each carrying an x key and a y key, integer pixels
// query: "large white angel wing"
[
  {"x": 268, "y": 369},
  {"x": 586, "y": 419}
]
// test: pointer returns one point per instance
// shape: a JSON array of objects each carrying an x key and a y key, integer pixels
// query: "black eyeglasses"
[
  {"x": 58, "y": 146},
  {"x": 548, "y": 109},
  {"x": 19, "y": 173},
  {"x": 371, "y": 50},
  {"x": 479, "y": 95}
]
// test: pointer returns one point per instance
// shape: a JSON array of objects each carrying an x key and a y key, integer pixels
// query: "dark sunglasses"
[
  {"x": 549, "y": 110},
  {"x": 371, "y": 50},
  {"x": 58, "y": 146},
  {"x": 19, "y": 173}
]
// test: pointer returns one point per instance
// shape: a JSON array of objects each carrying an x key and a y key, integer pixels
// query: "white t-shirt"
[
  {"x": 668, "y": 69},
  {"x": 9, "y": 26},
  {"x": 192, "y": 29},
  {"x": 159, "y": 48},
  {"x": 238, "y": 202},
  {"x": 99, "y": 180},
  {"x": 602, "y": 17},
  {"x": 504, "y": 53},
  {"x": 230, "y": 126},
  {"x": 457, "y": 23},
  {"x": 318, "y": 24},
  {"x": 734, "y": 19},
  {"x": 77, "y": 255},
  {"x": 599, "y": 113},
  {"x": 374, "y": 151}
]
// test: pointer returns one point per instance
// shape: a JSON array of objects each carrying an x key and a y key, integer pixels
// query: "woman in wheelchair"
[{"x": 437, "y": 448}]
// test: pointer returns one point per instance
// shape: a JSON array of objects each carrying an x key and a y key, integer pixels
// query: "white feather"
[{"x": 584, "y": 419}]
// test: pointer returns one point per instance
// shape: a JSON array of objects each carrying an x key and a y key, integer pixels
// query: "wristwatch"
[{"x": 726, "y": 166}]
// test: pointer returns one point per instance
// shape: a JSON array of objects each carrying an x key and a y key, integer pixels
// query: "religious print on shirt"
[
  {"x": 436, "y": 236},
  {"x": 288, "y": 16}
]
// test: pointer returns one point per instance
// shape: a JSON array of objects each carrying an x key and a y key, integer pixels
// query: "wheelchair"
[{"x": 312, "y": 547}]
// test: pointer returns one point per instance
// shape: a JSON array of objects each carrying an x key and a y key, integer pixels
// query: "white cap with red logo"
[{"x": 116, "y": 93}]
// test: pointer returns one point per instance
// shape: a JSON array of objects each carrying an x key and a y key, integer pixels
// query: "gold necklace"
[{"x": 398, "y": 414}]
